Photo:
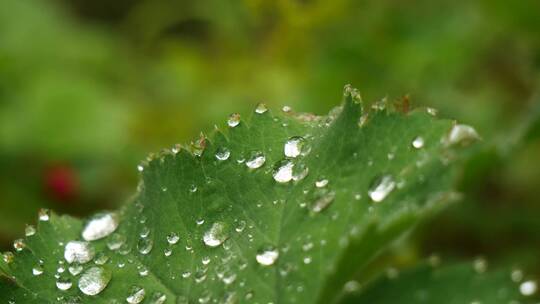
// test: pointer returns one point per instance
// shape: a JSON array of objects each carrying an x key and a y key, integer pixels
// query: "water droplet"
[
  {"x": 78, "y": 252},
  {"x": 44, "y": 215},
  {"x": 381, "y": 187},
  {"x": 463, "y": 134},
  {"x": 193, "y": 188},
  {"x": 261, "y": 108},
  {"x": 19, "y": 245},
  {"x": 256, "y": 160},
  {"x": 145, "y": 245},
  {"x": 29, "y": 230},
  {"x": 94, "y": 280},
  {"x": 100, "y": 226},
  {"x": 8, "y": 257},
  {"x": 300, "y": 171},
  {"x": 307, "y": 260},
  {"x": 241, "y": 226},
  {"x": 234, "y": 120},
  {"x": 116, "y": 241},
  {"x": 172, "y": 238},
  {"x": 101, "y": 259},
  {"x": 216, "y": 235},
  {"x": 323, "y": 202},
  {"x": 432, "y": 111},
  {"x": 75, "y": 269},
  {"x": 140, "y": 168},
  {"x": 295, "y": 146},
  {"x": 516, "y": 275},
  {"x": 63, "y": 283},
  {"x": 418, "y": 142},
  {"x": 267, "y": 256},
  {"x": 286, "y": 109},
  {"x": 158, "y": 298},
  {"x": 283, "y": 171},
  {"x": 136, "y": 295},
  {"x": 223, "y": 153},
  {"x": 145, "y": 232},
  {"x": 362, "y": 121},
  {"x": 37, "y": 270},
  {"x": 321, "y": 183},
  {"x": 528, "y": 288}
]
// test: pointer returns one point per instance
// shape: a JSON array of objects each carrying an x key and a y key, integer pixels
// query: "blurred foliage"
[{"x": 87, "y": 88}]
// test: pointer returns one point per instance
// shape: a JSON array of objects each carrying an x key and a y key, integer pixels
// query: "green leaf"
[
  {"x": 454, "y": 284},
  {"x": 248, "y": 227}
]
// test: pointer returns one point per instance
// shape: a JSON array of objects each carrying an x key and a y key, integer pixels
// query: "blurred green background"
[{"x": 88, "y": 88}]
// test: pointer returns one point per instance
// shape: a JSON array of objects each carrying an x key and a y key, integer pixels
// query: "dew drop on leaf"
[
  {"x": 136, "y": 295},
  {"x": 75, "y": 269},
  {"x": 480, "y": 265},
  {"x": 63, "y": 283},
  {"x": 267, "y": 256},
  {"x": 158, "y": 298},
  {"x": 460, "y": 134},
  {"x": 381, "y": 187},
  {"x": 37, "y": 270},
  {"x": 19, "y": 245},
  {"x": 222, "y": 154},
  {"x": 100, "y": 226},
  {"x": 216, "y": 235},
  {"x": 145, "y": 245},
  {"x": 321, "y": 183},
  {"x": 234, "y": 120},
  {"x": 116, "y": 241},
  {"x": 94, "y": 280},
  {"x": 44, "y": 215},
  {"x": 261, "y": 108},
  {"x": 323, "y": 202},
  {"x": 295, "y": 146},
  {"x": 283, "y": 171},
  {"x": 172, "y": 238},
  {"x": 256, "y": 160},
  {"x": 78, "y": 252},
  {"x": 29, "y": 230},
  {"x": 418, "y": 142}
]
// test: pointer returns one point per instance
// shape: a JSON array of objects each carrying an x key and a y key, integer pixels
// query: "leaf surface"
[{"x": 256, "y": 219}]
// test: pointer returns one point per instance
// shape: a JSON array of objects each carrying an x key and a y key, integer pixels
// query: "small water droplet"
[
  {"x": 8, "y": 257},
  {"x": 256, "y": 160},
  {"x": 140, "y": 168},
  {"x": 234, "y": 120},
  {"x": 323, "y": 202},
  {"x": 100, "y": 226},
  {"x": 528, "y": 288},
  {"x": 300, "y": 171},
  {"x": 19, "y": 245},
  {"x": 116, "y": 241},
  {"x": 44, "y": 215},
  {"x": 459, "y": 133},
  {"x": 516, "y": 275},
  {"x": 222, "y": 154},
  {"x": 283, "y": 171},
  {"x": 101, "y": 259},
  {"x": 321, "y": 183},
  {"x": 241, "y": 226},
  {"x": 294, "y": 146},
  {"x": 172, "y": 238},
  {"x": 29, "y": 230},
  {"x": 136, "y": 295},
  {"x": 78, "y": 252},
  {"x": 94, "y": 280},
  {"x": 480, "y": 265},
  {"x": 286, "y": 109},
  {"x": 261, "y": 108},
  {"x": 351, "y": 286},
  {"x": 158, "y": 298},
  {"x": 267, "y": 256},
  {"x": 63, "y": 283},
  {"x": 216, "y": 235},
  {"x": 418, "y": 142},
  {"x": 381, "y": 188},
  {"x": 75, "y": 269},
  {"x": 37, "y": 270},
  {"x": 145, "y": 245},
  {"x": 432, "y": 111}
]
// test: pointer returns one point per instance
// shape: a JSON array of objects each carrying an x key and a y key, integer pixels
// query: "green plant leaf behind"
[
  {"x": 452, "y": 284},
  {"x": 281, "y": 207}
]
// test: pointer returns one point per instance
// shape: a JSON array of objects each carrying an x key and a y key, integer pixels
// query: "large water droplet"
[
  {"x": 267, "y": 256},
  {"x": 223, "y": 153},
  {"x": 418, "y": 142},
  {"x": 100, "y": 226},
  {"x": 94, "y": 280},
  {"x": 256, "y": 160},
  {"x": 283, "y": 171},
  {"x": 136, "y": 295},
  {"x": 234, "y": 120},
  {"x": 294, "y": 146},
  {"x": 78, "y": 252},
  {"x": 216, "y": 235},
  {"x": 381, "y": 187}
]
